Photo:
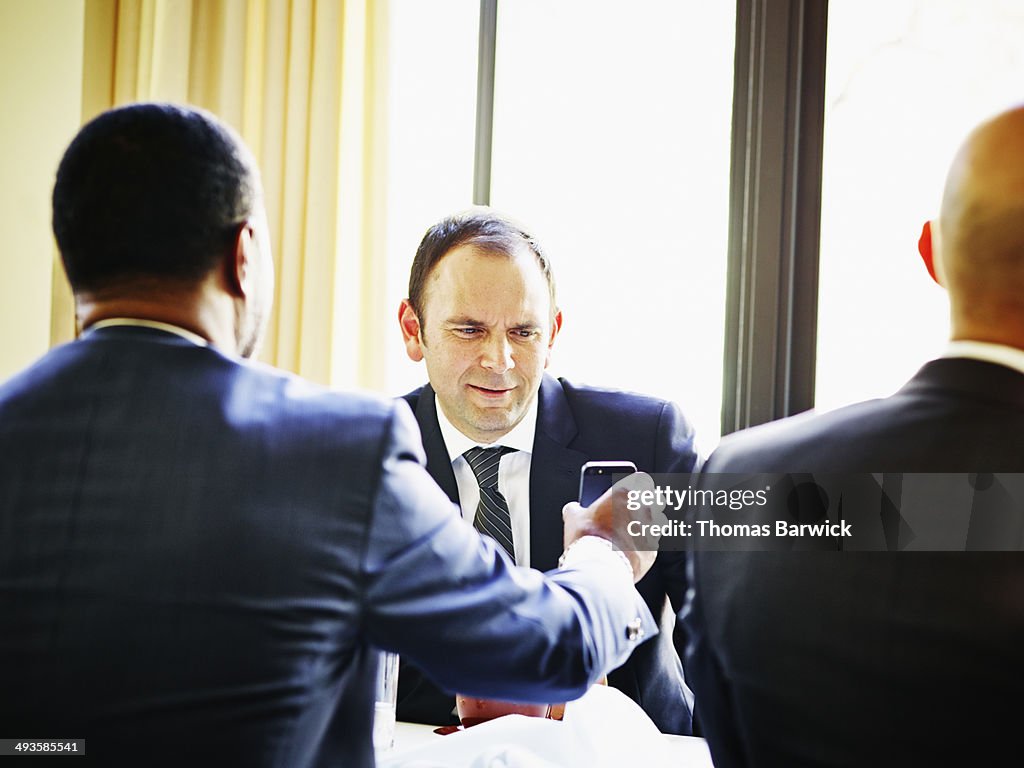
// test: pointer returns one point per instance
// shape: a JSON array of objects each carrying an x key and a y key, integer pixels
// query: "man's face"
[{"x": 486, "y": 337}]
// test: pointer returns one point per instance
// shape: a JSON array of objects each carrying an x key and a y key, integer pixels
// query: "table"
[
  {"x": 413, "y": 734},
  {"x": 687, "y": 751}
]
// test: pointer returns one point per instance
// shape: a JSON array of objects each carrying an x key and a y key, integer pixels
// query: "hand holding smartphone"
[
  {"x": 596, "y": 477},
  {"x": 613, "y": 518}
]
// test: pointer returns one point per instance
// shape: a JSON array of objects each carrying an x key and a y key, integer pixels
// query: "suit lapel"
[
  {"x": 439, "y": 465},
  {"x": 554, "y": 473}
]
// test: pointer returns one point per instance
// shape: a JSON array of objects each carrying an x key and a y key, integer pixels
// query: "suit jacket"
[
  {"x": 575, "y": 425},
  {"x": 868, "y": 658},
  {"x": 197, "y": 554}
]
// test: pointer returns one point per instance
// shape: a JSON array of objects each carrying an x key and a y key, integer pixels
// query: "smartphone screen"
[{"x": 596, "y": 477}]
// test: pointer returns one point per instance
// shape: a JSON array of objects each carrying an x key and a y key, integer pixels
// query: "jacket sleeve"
[{"x": 450, "y": 601}]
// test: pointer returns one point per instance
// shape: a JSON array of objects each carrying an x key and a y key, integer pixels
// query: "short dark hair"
[
  {"x": 487, "y": 230},
  {"x": 150, "y": 190}
]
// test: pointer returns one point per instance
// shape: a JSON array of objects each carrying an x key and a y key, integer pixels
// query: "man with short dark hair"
[
  {"x": 506, "y": 442},
  {"x": 198, "y": 554},
  {"x": 889, "y": 658}
]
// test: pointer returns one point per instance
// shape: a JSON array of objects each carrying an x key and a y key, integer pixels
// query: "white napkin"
[
  {"x": 604, "y": 729},
  {"x": 619, "y": 732}
]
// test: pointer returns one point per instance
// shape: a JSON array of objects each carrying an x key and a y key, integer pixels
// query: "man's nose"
[{"x": 497, "y": 354}]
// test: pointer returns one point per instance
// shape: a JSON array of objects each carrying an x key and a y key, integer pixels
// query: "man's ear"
[
  {"x": 240, "y": 270},
  {"x": 926, "y": 247},
  {"x": 556, "y": 326},
  {"x": 409, "y": 322}
]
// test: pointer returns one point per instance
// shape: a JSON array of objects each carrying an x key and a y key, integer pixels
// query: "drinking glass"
[{"x": 385, "y": 700}]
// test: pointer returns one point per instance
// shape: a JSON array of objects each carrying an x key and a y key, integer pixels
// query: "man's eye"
[
  {"x": 524, "y": 333},
  {"x": 468, "y": 331}
]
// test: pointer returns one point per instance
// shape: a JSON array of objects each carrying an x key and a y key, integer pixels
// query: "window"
[
  {"x": 611, "y": 141},
  {"x": 905, "y": 81},
  {"x": 431, "y": 119}
]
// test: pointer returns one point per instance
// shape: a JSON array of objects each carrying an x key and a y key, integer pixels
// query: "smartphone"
[{"x": 596, "y": 477}]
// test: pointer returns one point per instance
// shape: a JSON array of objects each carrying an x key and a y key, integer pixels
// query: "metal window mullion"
[
  {"x": 486, "y": 48},
  {"x": 775, "y": 205}
]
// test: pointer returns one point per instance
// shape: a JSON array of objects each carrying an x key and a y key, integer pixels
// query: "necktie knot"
[{"x": 484, "y": 463}]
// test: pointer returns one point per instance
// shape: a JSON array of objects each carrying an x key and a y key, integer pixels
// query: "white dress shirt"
[
  {"x": 513, "y": 474},
  {"x": 1000, "y": 354}
]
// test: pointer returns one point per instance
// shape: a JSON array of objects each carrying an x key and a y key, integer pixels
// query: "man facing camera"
[
  {"x": 890, "y": 658},
  {"x": 506, "y": 442},
  {"x": 198, "y": 554}
]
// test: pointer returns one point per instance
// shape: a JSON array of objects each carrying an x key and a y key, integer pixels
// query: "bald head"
[{"x": 981, "y": 242}]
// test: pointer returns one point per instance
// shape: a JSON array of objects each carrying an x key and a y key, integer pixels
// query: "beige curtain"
[{"x": 302, "y": 81}]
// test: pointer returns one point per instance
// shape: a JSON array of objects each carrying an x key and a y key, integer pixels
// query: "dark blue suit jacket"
[
  {"x": 197, "y": 553},
  {"x": 576, "y": 425},
  {"x": 869, "y": 658}
]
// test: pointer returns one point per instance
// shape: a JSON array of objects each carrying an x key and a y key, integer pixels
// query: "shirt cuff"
[{"x": 595, "y": 548}]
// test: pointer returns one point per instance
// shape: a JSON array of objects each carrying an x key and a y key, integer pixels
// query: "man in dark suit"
[
  {"x": 198, "y": 554},
  {"x": 875, "y": 658},
  {"x": 482, "y": 314}
]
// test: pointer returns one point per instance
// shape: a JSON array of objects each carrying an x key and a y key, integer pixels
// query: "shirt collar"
[
  {"x": 1000, "y": 354},
  {"x": 136, "y": 322},
  {"x": 519, "y": 438}
]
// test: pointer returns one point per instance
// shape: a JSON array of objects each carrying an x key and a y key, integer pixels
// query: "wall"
[{"x": 41, "y": 94}]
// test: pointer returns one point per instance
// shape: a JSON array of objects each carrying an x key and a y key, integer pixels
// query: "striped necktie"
[{"x": 492, "y": 516}]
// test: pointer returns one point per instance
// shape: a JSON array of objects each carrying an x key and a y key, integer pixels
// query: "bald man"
[{"x": 828, "y": 658}]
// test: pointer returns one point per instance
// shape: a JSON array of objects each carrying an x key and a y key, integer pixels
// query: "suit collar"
[
  {"x": 554, "y": 417},
  {"x": 1000, "y": 354},
  {"x": 554, "y": 472},
  {"x": 439, "y": 465},
  {"x": 975, "y": 379},
  {"x": 136, "y": 322},
  {"x": 138, "y": 333}
]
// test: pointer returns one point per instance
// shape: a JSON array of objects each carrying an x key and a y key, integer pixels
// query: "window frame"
[{"x": 774, "y": 201}]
